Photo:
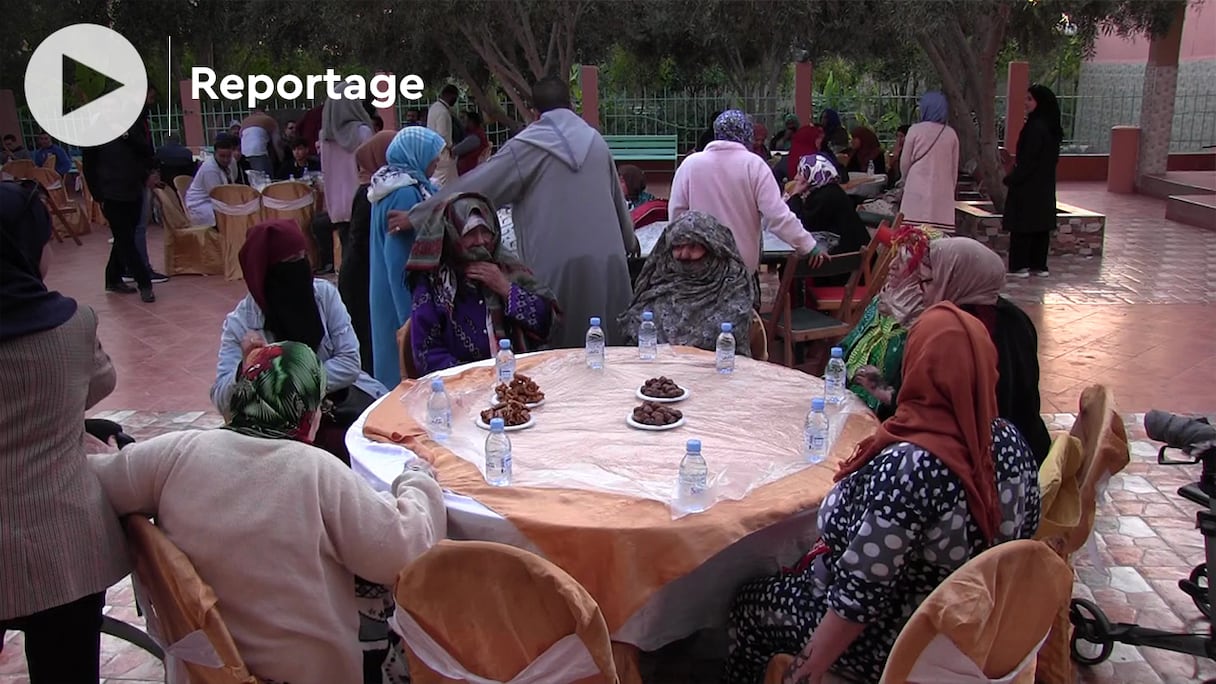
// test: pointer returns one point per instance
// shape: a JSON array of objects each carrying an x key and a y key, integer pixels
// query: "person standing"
[
  {"x": 1030, "y": 206},
  {"x": 345, "y": 124},
  {"x": 257, "y": 142},
  {"x": 60, "y": 543},
  {"x": 474, "y": 128},
  {"x": 572, "y": 227},
  {"x": 118, "y": 173},
  {"x": 929, "y": 165},
  {"x": 442, "y": 119}
]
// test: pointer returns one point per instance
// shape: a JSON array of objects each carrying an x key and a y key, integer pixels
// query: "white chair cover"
[
  {"x": 287, "y": 205},
  {"x": 567, "y": 660},
  {"x": 941, "y": 662},
  {"x": 250, "y": 207}
]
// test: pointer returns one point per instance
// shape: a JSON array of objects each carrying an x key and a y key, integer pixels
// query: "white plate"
[
  {"x": 509, "y": 428},
  {"x": 494, "y": 402},
  {"x": 652, "y": 428},
  {"x": 673, "y": 400}
]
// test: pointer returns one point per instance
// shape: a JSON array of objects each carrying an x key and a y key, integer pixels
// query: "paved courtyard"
[{"x": 1138, "y": 319}]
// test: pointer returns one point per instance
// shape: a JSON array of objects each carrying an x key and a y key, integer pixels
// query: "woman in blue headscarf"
[
  {"x": 400, "y": 184},
  {"x": 929, "y": 165}
]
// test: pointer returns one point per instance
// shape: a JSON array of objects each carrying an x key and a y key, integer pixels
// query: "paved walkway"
[{"x": 1139, "y": 319}]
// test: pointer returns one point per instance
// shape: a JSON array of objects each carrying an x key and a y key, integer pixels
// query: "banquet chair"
[
  {"x": 292, "y": 200},
  {"x": 181, "y": 184},
  {"x": 405, "y": 349},
  {"x": 473, "y": 610},
  {"x": 189, "y": 249},
  {"x": 181, "y": 610},
  {"x": 237, "y": 209},
  {"x": 1104, "y": 451},
  {"x": 986, "y": 622},
  {"x": 796, "y": 325},
  {"x": 758, "y": 337},
  {"x": 875, "y": 265}
]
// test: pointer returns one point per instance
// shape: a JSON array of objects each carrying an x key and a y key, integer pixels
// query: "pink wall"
[{"x": 1198, "y": 40}]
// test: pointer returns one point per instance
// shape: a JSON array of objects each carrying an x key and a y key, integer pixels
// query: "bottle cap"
[
  {"x": 496, "y": 425},
  {"x": 694, "y": 445},
  {"x": 595, "y": 321},
  {"x": 437, "y": 385},
  {"x": 647, "y": 316},
  {"x": 817, "y": 404},
  {"x": 504, "y": 344},
  {"x": 837, "y": 353}
]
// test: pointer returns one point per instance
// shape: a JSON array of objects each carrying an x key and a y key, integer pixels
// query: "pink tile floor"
[{"x": 1138, "y": 319}]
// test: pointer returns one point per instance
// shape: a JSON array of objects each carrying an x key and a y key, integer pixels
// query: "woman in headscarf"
[
  {"x": 824, "y": 207},
  {"x": 285, "y": 303},
  {"x": 354, "y": 280},
  {"x": 833, "y": 132},
  {"x": 469, "y": 292},
  {"x": 693, "y": 281},
  {"x": 807, "y": 141},
  {"x": 929, "y": 165},
  {"x": 1030, "y": 207},
  {"x": 938, "y": 483},
  {"x": 729, "y": 182},
  {"x": 969, "y": 275},
  {"x": 864, "y": 148},
  {"x": 404, "y": 180},
  {"x": 60, "y": 546},
  {"x": 760, "y": 141},
  {"x": 345, "y": 124},
  {"x": 783, "y": 140},
  {"x": 278, "y": 528},
  {"x": 633, "y": 184}
]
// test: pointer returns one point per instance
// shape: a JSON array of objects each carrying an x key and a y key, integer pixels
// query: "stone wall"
[{"x": 1077, "y": 231}]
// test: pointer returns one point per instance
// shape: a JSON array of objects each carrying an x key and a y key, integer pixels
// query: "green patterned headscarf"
[{"x": 278, "y": 393}]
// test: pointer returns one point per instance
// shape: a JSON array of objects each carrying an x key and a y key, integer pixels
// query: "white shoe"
[
  {"x": 1024, "y": 273},
  {"x": 1042, "y": 274}
]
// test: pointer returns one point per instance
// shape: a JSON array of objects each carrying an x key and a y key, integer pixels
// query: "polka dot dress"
[{"x": 895, "y": 529}]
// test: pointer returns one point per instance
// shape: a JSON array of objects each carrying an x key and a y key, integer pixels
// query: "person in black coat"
[
  {"x": 1030, "y": 206},
  {"x": 818, "y": 200}
]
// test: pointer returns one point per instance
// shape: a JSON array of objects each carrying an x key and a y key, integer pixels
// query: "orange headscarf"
[
  {"x": 373, "y": 154},
  {"x": 946, "y": 406}
]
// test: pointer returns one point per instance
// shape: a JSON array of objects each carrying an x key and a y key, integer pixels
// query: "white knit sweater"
[{"x": 278, "y": 529}]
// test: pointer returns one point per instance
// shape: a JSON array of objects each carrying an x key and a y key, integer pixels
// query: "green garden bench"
[{"x": 631, "y": 148}]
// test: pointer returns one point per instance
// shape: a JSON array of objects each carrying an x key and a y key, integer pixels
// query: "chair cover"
[
  {"x": 182, "y": 184},
  {"x": 1104, "y": 451},
  {"x": 484, "y": 613},
  {"x": 292, "y": 200},
  {"x": 1060, "y": 489},
  {"x": 189, "y": 250},
  {"x": 986, "y": 621},
  {"x": 237, "y": 209},
  {"x": 181, "y": 611}
]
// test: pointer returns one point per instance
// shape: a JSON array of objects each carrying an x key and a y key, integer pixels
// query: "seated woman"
[
  {"x": 286, "y": 303},
  {"x": 693, "y": 281},
  {"x": 633, "y": 184},
  {"x": 468, "y": 291},
  {"x": 968, "y": 274},
  {"x": 808, "y": 140},
  {"x": 939, "y": 482},
  {"x": 824, "y": 207},
  {"x": 277, "y": 527},
  {"x": 863, "y": 149}
]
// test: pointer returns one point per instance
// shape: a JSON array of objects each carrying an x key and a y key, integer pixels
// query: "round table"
[{"x": 657, "y": 578}]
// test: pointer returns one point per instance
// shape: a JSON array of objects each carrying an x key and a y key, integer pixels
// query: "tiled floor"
[{"x": 1139, "y": 320}]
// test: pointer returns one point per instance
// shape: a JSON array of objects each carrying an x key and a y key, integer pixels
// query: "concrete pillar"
[
  {"x": 804, "y": 92},
  {"x": 194, "y": 135},
  {"x": 1124, "y": 155},
  {"x": 1157, "y": 105},
  {"x": 388, "y": 114},
  {"x": 589, "y": 82},
  {"x": 1015, "y": 103}
]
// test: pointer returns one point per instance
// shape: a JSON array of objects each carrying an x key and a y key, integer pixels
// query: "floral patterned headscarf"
[
  {"x": 278, "y": 393},
  {"x": 733, "y": 125},
  {"x": 817, "y": 170}
]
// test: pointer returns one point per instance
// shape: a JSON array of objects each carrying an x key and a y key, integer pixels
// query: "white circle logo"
[{"x": 93, "y": 111}]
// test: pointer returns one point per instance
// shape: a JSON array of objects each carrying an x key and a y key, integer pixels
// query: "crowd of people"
[{"x": 947, "y": 364}]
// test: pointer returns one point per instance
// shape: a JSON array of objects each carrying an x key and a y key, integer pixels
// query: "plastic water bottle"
[
  {"x": 815, "y": 434},
  {"x": 498, "y": 455},
  {"x": 834, "y": 378},
  {"x": 693, "y": 479},
  {"x": 870, "y": 168},
  {"x": 595, "y": 345},
  {"x": 648, "y": 338},
  {"x": 504, "y": 362},
  {"x": 439, "y": 411},
  {"x": 725, "y": 361}
]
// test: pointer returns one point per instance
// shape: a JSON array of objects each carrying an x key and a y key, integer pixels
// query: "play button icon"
[{"x": 104, "y": 95}]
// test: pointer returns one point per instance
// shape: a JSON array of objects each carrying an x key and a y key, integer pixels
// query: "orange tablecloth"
[{"x": 621, "y": 547}]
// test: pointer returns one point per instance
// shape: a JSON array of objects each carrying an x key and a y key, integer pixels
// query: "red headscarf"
[
  {"x": 268, "y": 243},
  {"x": 946, "y": 406},
  {"x": 805, "y": 141}
]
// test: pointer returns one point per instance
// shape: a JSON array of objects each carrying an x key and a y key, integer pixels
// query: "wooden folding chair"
[
  {"x": 875, "y": 263},
  {"x": 803, "y": 324},
  {"x": 19, "y": 168},
  {"x": 92, "y": 207},
  {"x": 49, "y": 162}
]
